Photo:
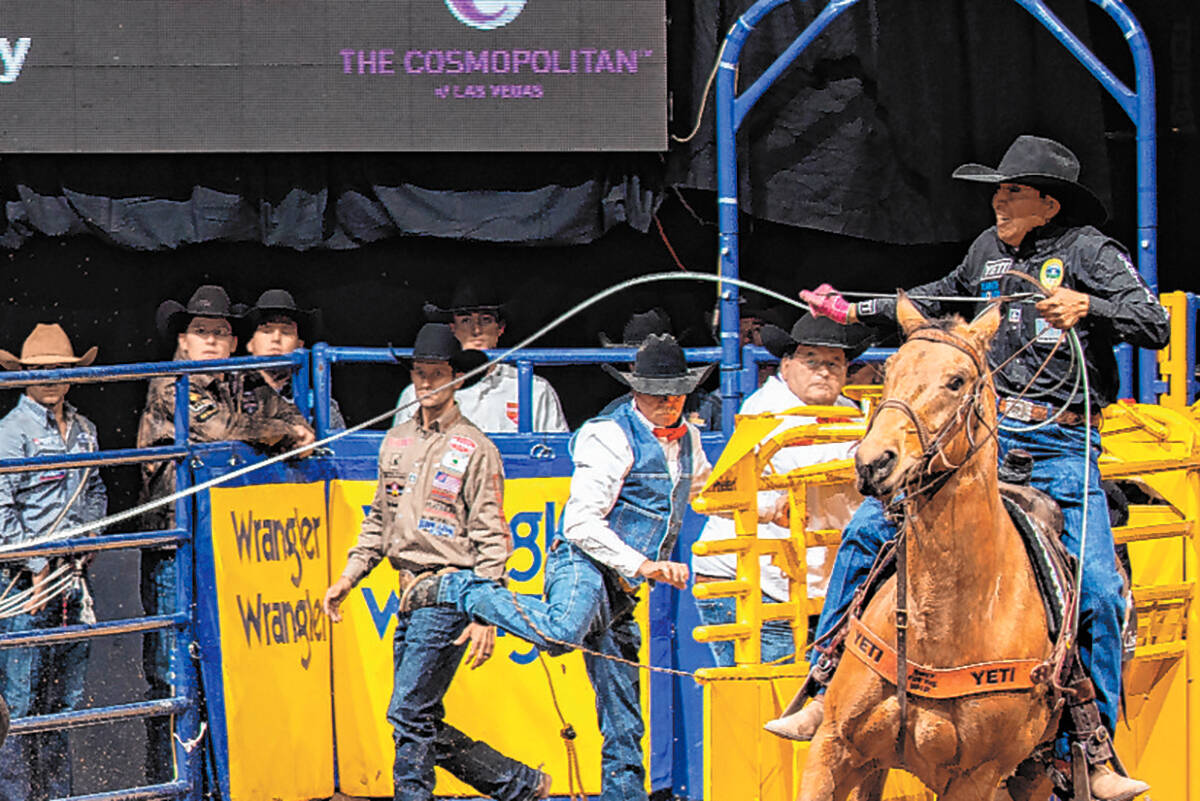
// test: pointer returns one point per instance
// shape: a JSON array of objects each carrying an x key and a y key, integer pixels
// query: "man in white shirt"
[
  {"x": 492, "y": 403},
  {"x": 635, "y": 472},
  {"x": 812, "y": 372}
]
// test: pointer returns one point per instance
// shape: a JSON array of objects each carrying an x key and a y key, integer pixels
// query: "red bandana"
[{"x": 671, "y": 433}]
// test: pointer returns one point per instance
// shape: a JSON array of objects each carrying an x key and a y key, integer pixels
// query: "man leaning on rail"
[
  {"x": 276, "y": 326},
  {"x": 41, "y": 593},
  {"x": 1043, "y": 238},
  {"x": 812, "y": 372},
  {"x": 439, "y": 504},
  {"x": 218, "y": 409}
]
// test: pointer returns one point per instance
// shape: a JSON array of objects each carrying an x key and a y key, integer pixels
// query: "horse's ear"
[
  {"x": 907, "y": 314},
  {"x": 985, "y": 326}
]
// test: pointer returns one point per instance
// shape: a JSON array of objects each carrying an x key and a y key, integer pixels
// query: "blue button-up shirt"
[{"x": 31, "y": 502}]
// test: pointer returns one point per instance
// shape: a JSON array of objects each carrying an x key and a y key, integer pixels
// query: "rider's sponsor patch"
[
  {"x": 456, "y": 461},
  {"x": 996, "y": 268},
  {"x": 463, "y": 444},
  {"x": 1051, "y": 274}
]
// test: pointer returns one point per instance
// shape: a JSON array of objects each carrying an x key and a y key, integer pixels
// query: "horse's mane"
[{"x": 947, "y": 324}]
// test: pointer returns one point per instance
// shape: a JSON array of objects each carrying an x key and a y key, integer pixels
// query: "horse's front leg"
[
  {"x": 828, "y": 772},
  {"x": 980, "y": 784}
]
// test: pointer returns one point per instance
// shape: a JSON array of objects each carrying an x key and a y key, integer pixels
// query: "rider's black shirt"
[{"x": 1121, "y": 309}]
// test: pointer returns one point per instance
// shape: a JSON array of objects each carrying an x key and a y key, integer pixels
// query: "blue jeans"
[
  {"x": 40, "y": 681},
  {"x": 777, "y": 642},
  {"x": 1057, "y": 471},
  {"x": 158, "y": 598},
  {"x": 425, "y": 660},
  {"x": 579, "y": 608}
]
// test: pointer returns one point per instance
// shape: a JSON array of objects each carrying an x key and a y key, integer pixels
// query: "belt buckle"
[{"x": 1019, "y": 409}]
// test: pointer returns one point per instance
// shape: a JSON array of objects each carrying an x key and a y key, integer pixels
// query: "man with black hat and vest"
[
  {"x": 276, "y": 326},
  {"x": 701, "y": 408},
  {"x": 218, "y": 409},
  {"x": 812, "y": 371},
  {"x": 439, "y": 504},
  {"x": 478, "y": 322},
  {"x": 49, "y": 678},
  {"x": 635, "y": 471},
  {"x": 1043, "y": 239}
]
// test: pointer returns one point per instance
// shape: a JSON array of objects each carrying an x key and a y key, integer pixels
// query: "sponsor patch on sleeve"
[
  {"x": 201, "y": 406},
  {"x": 463, "y": 444},
  {"x": 435, "y": 528},
  {"x": 513, "y": 412},
  {"x": 444, "y": 481},
  {"x": 456, "y": 461}
]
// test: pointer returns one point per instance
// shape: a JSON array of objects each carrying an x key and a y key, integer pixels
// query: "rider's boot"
[
  {"x": 801, "y": 722},
  {"x": 800, "y": 725},
  {"x": 1104, "y": 783}
]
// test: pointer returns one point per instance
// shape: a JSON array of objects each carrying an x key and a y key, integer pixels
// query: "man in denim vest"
[{"x": 635, "y": 471}]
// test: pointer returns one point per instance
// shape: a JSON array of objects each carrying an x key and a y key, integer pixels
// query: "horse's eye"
[{"x": 955, "y": 383}]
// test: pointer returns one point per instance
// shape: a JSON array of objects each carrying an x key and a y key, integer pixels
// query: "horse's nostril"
[{"x": 884, "y": 464}]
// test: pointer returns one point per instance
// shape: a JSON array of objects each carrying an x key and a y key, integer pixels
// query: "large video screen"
[{"x": 120, "y": 76}]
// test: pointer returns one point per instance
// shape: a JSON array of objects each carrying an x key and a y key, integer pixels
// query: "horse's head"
[{"x": 937, "y": 392}]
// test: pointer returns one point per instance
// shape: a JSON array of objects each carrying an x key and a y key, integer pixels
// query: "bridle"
[
  {"x": 927, "y": 479},
  {"x": 924, "y": 483}
]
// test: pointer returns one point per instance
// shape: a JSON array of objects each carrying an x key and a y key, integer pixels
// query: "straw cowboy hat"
[
  {"x": 207, "y": 301},
  {"x": 820, "y": 332},
  {"x": 48, "y": 344},
  {"x": 660, "y": 368},
  {"x": 280, "y": 302},
  {"x": 1047, "y": 166}
]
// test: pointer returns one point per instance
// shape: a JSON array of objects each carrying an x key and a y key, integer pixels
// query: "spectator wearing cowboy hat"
[
  {"x": 218, "y": 410},
  {"x": 478, "y": 322},
  {"x": 635, "y": 472},
  {"x": 276, "y": 326},
  {"x": 1044, "y": 237},
  {"x": 702, "y": 409},
  {"x": 439, "y": 504},
  {"x": 46, "y": 679},
  {"x": 812, "y": 371}
]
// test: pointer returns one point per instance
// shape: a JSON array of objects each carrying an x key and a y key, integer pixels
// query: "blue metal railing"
[
  {"x": 184, "y": 703},
  {"x": 744, "y": 375},
  {"x": 731, "y": 110}
]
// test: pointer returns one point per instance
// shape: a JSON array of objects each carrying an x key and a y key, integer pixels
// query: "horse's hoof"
[
  {"x": 1108, "y": 785},
  {"x": 799, "y": 726}
]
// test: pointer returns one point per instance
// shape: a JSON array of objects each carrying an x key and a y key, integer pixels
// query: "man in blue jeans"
[
  {"x": 49, "y": 678},
  {"x": 635, "y": 471},
  {"x": 439, "y": 504},
  {"x": 1043, "y": 237}
]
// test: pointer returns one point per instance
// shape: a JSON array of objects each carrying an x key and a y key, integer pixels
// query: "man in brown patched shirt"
[
  {"x": 439, "y": 503},
  {"x": 218, "y": 410}
]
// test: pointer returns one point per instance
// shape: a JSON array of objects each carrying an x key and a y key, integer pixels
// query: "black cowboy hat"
[
  {"x": 638, "y": 327},
  {"x": 818, "y": 332},
  {"x": 280, "y": 302},
  {"x": 209, "y": 300},
  {"x": 437, "y": 343},
  {"x": 1049, "y": 167},
  {"x": 660, "y": 368},
  {"x": 469, "y": 296}
]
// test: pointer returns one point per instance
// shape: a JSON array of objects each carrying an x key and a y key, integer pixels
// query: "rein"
[{"x": 932, "y": 447}]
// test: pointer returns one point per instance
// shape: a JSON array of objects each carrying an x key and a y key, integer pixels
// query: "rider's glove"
[{"x": 826, "y": 302}]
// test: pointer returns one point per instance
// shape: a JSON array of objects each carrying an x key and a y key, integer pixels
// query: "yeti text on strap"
[{"x": 12, "y": 57}]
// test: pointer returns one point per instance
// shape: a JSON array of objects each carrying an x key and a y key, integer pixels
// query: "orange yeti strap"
[{"x": 985, "y": 677}]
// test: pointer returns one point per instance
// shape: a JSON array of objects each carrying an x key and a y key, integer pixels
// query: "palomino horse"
[{"x": 972, "y": 597}]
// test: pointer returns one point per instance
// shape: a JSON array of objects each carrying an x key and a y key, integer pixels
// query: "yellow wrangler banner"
[
  {"x": 506, "y": 703},
  {"x": 271, "y": 557}
]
